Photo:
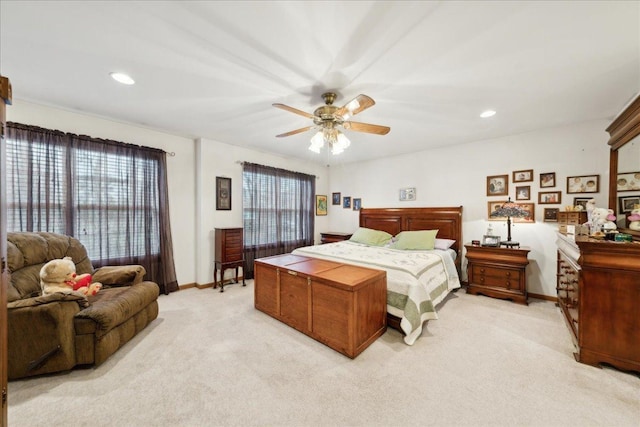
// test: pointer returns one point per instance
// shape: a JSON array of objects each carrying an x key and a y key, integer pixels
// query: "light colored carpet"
[{"x": 211, "y": 359}]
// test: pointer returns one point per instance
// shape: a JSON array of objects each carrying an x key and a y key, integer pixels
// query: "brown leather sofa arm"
[
  {"x": 125, "y": 275},
  {"x": 41, "y": 337}
]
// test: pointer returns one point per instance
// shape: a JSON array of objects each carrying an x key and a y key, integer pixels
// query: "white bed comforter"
[{"x": 416, "y": 280}]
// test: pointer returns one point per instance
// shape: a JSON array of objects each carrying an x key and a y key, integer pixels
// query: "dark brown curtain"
[
  {"x": 110, "y": 195},
  {"x": 278, "y": 209}
]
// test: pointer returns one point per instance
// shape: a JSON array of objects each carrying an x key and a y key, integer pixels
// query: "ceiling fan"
[{"x": 328, "y": 118}]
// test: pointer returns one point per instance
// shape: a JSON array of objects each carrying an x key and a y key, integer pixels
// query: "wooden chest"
[
  {"x": 342, "y": 306},
  {"x": 575, "y": 217}
]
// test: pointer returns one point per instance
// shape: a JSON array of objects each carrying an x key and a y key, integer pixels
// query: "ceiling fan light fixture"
[
  {"x": 317, "y": 142},
  {"x": 488, "y": 113},
  {"x": 341, "y": 143}
]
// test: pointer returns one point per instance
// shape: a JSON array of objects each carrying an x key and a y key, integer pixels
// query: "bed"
[{"x": 417, "y": 281}]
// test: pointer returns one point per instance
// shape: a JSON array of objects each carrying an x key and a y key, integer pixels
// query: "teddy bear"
[
  {"x": 602, "y": 219},
  {"x": 635, "y": 219},
  {"x": 59, "y": 275}
]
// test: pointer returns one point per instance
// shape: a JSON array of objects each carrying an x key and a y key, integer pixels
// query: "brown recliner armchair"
[{"x": 56, "y": 332}]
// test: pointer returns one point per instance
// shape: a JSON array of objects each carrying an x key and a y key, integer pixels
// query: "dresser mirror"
[{"x": 624, "y": 171}]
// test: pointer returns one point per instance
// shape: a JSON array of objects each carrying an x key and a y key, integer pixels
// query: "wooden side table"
[
  {"x": 334, "y": 236},
  {"x": 228, "y": 254},
  {"x": 498, "y": 272}
]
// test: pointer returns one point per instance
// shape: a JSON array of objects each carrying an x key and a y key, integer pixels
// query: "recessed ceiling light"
[
  {"x": 122, "y": 78},
  {"x": 487, "y": 113}
]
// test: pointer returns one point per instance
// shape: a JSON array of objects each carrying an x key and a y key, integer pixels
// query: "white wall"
[
  {"x": 218, "y": 159},
  {"x": 180, "y": 171},
  {"x": 449, "y": 176},
  {"x": 454, "y": 176}
]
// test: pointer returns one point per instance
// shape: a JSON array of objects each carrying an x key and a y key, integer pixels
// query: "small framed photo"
[
  {"x": 523, "y": 192},
  {"x": 493, "y": 241},
  {"x": 629, "y": 181},
  {"x": 357, "y": 203},
  {"x": 551, "y": 214},
  {"x": 492, "y": 206},
  {"x": 321, "y": 205},
  {"x": 549, "y": 197},
  {"x": 583, "y": 184},
  {"x": 223, "y": 193},
  {"x": 346, "y": 202},
  {"x": 581, "y": 201},
  {"x": 335, "y": 199},
  {"x": 498, "y": 185},
  {"x": 407, "y": 194},
  {"x": 523, "y": 176},
  {"x": 547, "y": 179},
  {"x": 531, "y": 209},
  {"x": 627, "y": 204}
]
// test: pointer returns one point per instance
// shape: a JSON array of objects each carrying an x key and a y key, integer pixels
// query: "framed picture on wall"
[
  {"x": 523, "y": 176},
  {"x": 321, "y": 205},
  {"x": 627, "y": 204},
  {"x": 346, "y": 202},
  {"x": 357, "y": 204},
  {"x": 547, "y": 179},
  {"x": 529, "y": 207},
  {"x": 407, "y": 194},
  {"x": 583, "y": 184},
  {"x": 223, "y": 193},
  {"x": 335, "y": 199},
  {"x": 523, "y": 192},
  {"x": 497, "y": 185},
  {"x": 629, "y": 181},
  {"x": 551, "y": 214},
  {"x": 549, "y": 197}
]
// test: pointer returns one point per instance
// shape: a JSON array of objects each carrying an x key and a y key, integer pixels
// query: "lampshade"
[
  {"x": 336, "y": 140},
  {"x": 510, "y": 210}
]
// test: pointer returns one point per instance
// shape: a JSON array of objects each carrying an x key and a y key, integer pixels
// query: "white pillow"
[{"x": 443, "y": 244}]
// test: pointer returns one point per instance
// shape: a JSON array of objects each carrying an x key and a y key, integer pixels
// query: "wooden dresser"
[
  {"x": 599, "y": 294},
  {"x": 497, "y": 272},
  {"x": 228, "y": 254},
  {"x": 342, "y": 306},
  {"x": 334, "y": 236}
]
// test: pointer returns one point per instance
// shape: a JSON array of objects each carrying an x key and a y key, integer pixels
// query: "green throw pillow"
[
  {"x": 423, "y": 239},
  {"x": 371, "y": 237}
]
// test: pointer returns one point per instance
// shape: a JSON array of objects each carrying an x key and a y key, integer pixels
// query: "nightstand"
[
  {"x": 498, "y": 272},
  {"x": 331, "y": 237}
]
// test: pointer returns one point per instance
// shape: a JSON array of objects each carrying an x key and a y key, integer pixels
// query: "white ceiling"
[{"x": 213, "y": 69}]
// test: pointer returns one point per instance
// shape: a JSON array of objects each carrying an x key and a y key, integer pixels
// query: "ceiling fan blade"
[
  {"x": 293, "y": 110},
  {"x": 366, "y": 127},
  {"x": 356, "y": 105},
  {"x": 293, "y": 132}
]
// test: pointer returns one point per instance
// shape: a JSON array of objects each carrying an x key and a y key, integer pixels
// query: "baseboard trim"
[
  {"x": 543, "y": 297},
  {"x": 205, "y": 285}
]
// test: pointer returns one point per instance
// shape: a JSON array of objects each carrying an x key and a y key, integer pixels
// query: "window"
[
  {"x": 110, "y": 195},
  {"x": 278, "y": 211}
]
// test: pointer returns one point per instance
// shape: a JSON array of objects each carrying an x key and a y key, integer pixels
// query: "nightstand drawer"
[{"x": 491, "y": 276}]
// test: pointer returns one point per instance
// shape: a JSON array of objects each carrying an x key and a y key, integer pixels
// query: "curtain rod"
[{"x": 241, "y": 163}]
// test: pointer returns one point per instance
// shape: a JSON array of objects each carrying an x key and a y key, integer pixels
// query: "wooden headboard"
[{"x": 447, "y": 220}]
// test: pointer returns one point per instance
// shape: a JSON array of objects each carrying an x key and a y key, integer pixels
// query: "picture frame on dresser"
[
  {"x": 583, "y": 184},
  {"x": 491, "y": 241},
  {"x": 223, "y": 193},
  {"x": 581, "y": 201}
]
